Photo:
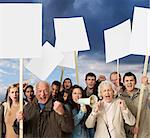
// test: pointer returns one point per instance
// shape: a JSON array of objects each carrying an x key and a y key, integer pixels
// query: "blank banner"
[
  {"x": 68, "y": 60},
  {"x": 140, "y": 38},
  {"x": 117, "y": 41},
  {"x": 20, "y": 30},
  {"x": 44, "y": 66},
  {"x": 71, "y": 34}
]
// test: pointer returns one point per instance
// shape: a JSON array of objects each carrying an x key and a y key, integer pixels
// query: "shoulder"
[
  {"x": 116, "y": 101},
  {"x": 5, "y": 104},
  {"x": 30, "y": 107}
]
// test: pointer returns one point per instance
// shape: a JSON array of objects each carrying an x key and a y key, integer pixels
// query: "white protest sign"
[
  {"x": 117, "y": 41},
  {"x": 68, "y": 60},
  {"x": 43, "y": 67},
  {"x": 140, "y": 45},
  {"x": 20, "y": 30},
  {"x": 71, "y": 34},
  {"x": 140, "y": 38}
]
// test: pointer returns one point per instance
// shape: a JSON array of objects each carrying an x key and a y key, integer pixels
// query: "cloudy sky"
[{"x": 98, "y": 15}]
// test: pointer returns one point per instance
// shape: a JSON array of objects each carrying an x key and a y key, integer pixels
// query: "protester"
[
  {"x": 109, "y": 114},
  {"x": 131, "y": 96},
  {"x": 67, "y": 84},
  {"x": 29, "y": 93},
  {"x": 116, "y": 80},
  {"x": 43, "y": 118},
  {"x": 56, "y": 85},
  {"x": 79, "y": 113},
  {"x": 90, "y": 80},
  {"x": 56, "y": 93},
  {"x": 66, "y": 95},
  {"x": 11, "y": 107}
]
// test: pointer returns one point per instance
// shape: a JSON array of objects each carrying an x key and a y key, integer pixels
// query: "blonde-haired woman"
[
  {"x": 11, "y": 107},
  {"x": 109, "y": 113}
]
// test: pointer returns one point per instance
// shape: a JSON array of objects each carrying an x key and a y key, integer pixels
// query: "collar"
[
  {"x": 48, "y": 105},
  {"x": 133, "y": 94}
]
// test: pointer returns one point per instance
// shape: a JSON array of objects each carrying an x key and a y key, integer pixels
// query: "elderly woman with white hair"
[{"x": 109, "y": 113}]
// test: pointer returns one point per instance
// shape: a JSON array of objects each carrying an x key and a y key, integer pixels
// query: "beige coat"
[{"x": 119, "y": 118}]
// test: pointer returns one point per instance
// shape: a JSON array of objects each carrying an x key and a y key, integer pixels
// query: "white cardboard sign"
[
  {"x": 71, "y": 34},
  {"x": 68, "y": 60},
  {"x": 43, "y": 67},
  {"x": 20, "y": 30},
  {"x": 140, "y": 38},
  {"x": 117, "y": 41}
]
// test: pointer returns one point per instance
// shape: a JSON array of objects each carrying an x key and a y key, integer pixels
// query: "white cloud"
[
  {"x": 9, "y": 63},
  {"x": 3, "y": 72}
]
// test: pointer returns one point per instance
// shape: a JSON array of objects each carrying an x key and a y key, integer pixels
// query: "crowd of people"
[{"x": 54, "y": 111}]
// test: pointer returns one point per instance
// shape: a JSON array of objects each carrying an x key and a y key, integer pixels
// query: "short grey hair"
[
  {"x": 107, "y": 83},
  {"x": 44, "y": 82}
]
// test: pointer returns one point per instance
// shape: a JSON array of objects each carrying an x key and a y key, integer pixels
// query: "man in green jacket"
[
  {"x": 43, "y": 118},
  {"x": 131, "y": 97}
]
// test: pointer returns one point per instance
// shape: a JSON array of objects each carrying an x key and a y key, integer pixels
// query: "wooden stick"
[
  {"x": 76, "y": 64},
  {"x": 141, "y": 94},
  {"x": 118, "y": 71},
  {"x": 21, "y": 97},
  {"x": 62, "y": 74}
]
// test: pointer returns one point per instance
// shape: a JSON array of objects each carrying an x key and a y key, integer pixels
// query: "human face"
[
  {"x": 76, "y": 94},
  {"x": 90, "y": 82},
  {"x": 129, "y": 83},
  {"x": 14, "y": 94},
  {"x": 42, "y": 92},
  {"x": 54, "y": 89},
  {"x": 107, "y": 93},
  {"x": 67, "y": 84},
  {"x": 114, "y": 79},
  {"x": 29, "y": 93}
]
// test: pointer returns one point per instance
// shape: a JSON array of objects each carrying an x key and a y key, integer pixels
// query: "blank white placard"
[
  {"x": 117, "y": 41},
  {"x": 71, "y": 34},
  {"x": 68, "y": 60},
  {"x": 43, "y": 67},
  {"x": 20, "y": 30},
  {"x": 140, "y": 38}
]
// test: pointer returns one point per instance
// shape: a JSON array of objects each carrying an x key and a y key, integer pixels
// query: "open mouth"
[
  {"x": 44, "y": 98},
  {"x": 130, "y": 87}
]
